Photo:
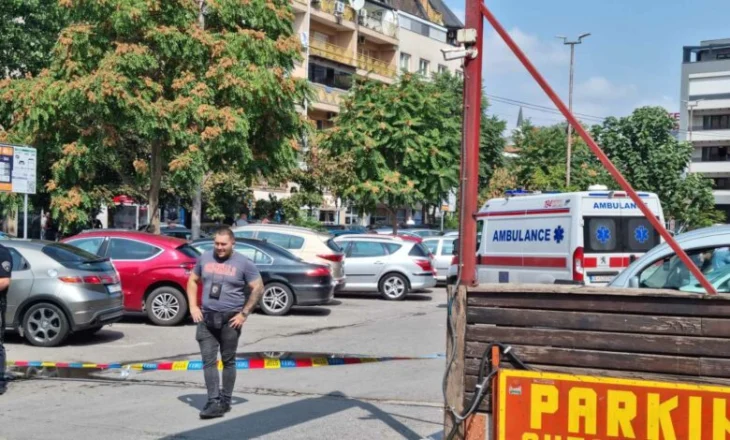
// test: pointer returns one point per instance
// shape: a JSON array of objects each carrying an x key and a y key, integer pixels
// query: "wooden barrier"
[{"x": 635, "y": 333}]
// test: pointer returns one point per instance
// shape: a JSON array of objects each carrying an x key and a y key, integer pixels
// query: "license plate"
[
  {"x": 602, "y": 278},
  {"x": 114, "y": 288}
]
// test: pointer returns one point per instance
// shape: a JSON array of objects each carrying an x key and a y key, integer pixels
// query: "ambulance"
[{"x": 583, "y": 237}]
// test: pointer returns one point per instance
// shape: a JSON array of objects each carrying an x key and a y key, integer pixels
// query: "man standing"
[
  {"x": 6, "y": 266},
  {"x": 225, "y": 275},
  {"x": 45, "y": 225},
  {"x": 243, "y": 220}
]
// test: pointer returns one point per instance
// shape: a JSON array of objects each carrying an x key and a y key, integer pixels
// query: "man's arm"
[
  {"x": 192, "y": 291},
  {"x": 257, "y": 289},
  {"x": 6, "y": 267},
  {"x": 4, "y": 283}
]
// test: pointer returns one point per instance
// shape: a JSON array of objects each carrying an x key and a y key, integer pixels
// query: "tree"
[
  {"x": 137, "y": 88},
  {"x": 652, "y": 159},
  {"x": 382, "y": 127},
  {"x": 541, "y": 162},
  {"x": 29, "y": 29}
]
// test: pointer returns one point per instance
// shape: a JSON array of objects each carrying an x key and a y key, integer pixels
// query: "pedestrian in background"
[
  {"x": 243, "y": 220},
  {"x": 226, "y": 275},
  {"x": 45, "y": 225},
  {"x": 6, "y": 267}
]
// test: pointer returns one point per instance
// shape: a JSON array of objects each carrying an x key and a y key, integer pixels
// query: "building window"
[
  {"x": 438, "y": 34},
  {"x": 330, "y": 77},
  {"x": 714, "y": 154},
  {"x": 716, "y": 122},
  {"x": 721, "y": 183},
  {"x": 405, "y": 62},
  {"x": 424, "y": 67},
  {"x": 443, "y": 69},
  {"x": 460, "y": 74}
]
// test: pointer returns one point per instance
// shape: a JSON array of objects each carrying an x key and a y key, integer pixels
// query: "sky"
[{"x": 633, "y": 57}]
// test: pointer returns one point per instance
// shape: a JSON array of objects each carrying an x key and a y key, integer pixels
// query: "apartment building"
[
  {"x": 344, "y": 39},
  {"x": 705, "y": 114}
]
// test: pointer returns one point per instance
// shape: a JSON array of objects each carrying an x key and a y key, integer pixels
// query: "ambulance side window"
[
  {"x": 601, "y": 234},
  {"x": 480, "y": 231}
]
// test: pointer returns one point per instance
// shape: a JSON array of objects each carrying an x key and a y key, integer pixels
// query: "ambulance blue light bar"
[
  {"x": 613, "y": 193},
  {"x": 523, "y": 192}
]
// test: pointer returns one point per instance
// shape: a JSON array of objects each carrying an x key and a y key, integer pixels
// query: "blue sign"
[
  {"x": 641, "y": 234},
  {"x": 614, "y": 205},
  {"x": 530, "y": 234},
  {"x": 603, "y": 234}
]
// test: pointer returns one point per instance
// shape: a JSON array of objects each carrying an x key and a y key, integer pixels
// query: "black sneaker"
[
  {"x": 226, "y": 406},
  {"x": 212, "y": 410},
  {"x": 3, "y": 387}
]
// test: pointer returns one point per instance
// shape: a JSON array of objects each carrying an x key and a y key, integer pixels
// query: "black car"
[{"x": 288, "y": 280}]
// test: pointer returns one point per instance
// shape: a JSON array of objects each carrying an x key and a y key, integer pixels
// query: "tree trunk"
[
  {"x": 424, "y": 213},
  {"x": 155, "y": 185},
  {"x": 395, "y": 220},
  {"x": 197, "y": 209}
]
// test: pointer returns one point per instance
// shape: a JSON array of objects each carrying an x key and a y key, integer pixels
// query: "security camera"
[{"x": 455, "y": 54}]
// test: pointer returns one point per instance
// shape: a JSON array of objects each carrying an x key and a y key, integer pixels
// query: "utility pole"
[
  {"x": 569, "y": 152},
  {"x": 691, "y": 107},
  {"x": 198, "y": 196}
]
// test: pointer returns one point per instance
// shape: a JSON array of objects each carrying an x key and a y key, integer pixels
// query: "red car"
[{"x": 153, "y": 269}]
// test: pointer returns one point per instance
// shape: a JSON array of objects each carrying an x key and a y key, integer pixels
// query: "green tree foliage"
[
  {"x": 652, "y": 159},
  {"x": 29, "y": 30},
  {"x": 136, "y": 90},
  {"x": 542, "y": 158}
]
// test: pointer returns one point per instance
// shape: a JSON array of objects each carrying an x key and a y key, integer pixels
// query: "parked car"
[
  {"x": 307, "y": 244},
  {"x": 442, "y": 249},
  {"x": 57, "y": 290},
  {"x": 177, "y": 231},
  {"x": 337, "y": 230},
  {"x": 288, "y": 280},
  {"x": 154, "y": 269},
  {"x": 661, "y": 268},
  {"x": 392, "y": 266}
]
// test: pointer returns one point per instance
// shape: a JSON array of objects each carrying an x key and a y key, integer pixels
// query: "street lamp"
[{"x": 570, "y": 97}]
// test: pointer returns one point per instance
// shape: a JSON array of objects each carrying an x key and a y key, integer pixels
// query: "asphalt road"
[{"x": 396, "y": 399}]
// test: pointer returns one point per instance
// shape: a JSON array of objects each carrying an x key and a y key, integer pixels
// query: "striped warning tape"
[{"x": 241, "y": 364}]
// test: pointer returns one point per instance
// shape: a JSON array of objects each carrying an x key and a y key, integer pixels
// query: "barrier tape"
[{"x": 241, "y": 364}]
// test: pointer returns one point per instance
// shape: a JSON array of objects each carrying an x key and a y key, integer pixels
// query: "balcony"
[
  {"x": 300, "y": 6},
  {"x": 376, "y": 66},
  {"x": 715, "y": 167},
  {"x": 330, "y": 7},
  {"x": 327, "y": 99},
  {"x": 331, "y": 52},
  {"x": 714, "y": 136},
  {"x": 372, "y": 24}
]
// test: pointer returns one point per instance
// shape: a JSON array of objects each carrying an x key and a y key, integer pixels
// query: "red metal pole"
[
  {"x": 470, "y": 149},
  {"x": 597, "y": 150}
]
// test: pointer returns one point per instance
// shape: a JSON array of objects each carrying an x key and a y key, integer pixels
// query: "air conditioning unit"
[
  {"x": 362, "y": 16},
  {"x": 339, "y": 8}
]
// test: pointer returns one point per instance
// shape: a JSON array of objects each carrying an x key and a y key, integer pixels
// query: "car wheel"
[
  {"x": 166, "y": 306},
  {"x": 45, "y": 325},
  {"x": 394, "y": 287},
  {"x": 277, "y": 299}
]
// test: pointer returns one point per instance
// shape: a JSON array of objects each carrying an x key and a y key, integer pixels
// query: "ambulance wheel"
[{"x": 393, "y": 287}]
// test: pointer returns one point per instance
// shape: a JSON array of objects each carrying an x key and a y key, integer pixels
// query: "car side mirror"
[{"x": 634, "y": 282}]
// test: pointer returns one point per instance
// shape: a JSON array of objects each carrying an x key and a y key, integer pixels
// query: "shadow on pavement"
[
  {"x": 197, "y": 401},
  {"x": 271, "y": 421},
  {"x": 76, "y": 340},
  {"x": 418, "y": 296}
]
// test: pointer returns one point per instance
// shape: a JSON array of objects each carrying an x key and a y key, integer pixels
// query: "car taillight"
[
  {"x": 104, "y": 279},
  {"x": 424, "y": 264},
  {"x": 335, "y": 258},
  {"x": 578, "y": 271},
  {"x": 321, "y": 271}
]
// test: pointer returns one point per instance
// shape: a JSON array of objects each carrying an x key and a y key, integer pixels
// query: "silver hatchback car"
[
  {"x": 393, "y": 266},
  {"x": 57, "y": 289},
  {"x": 660, "y": 268}
]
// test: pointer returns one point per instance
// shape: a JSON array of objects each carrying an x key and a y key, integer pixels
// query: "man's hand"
[
  {"x": 196, "y": 314},
  {"x": 237, "y": 321}
]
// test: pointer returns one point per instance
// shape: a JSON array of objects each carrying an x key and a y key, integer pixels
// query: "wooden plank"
[
  {"x": 485, "y": 407},
  {"x": 621, "y": 342},
  {"x": 456, "y": 343},
  {"x": 552, "y": 289},
  {"x": 585, "y": 321},
  {"x": 600, "y": 359},
  {"x": 640, "y": 304},
  {"x": 716, "y": 327}
]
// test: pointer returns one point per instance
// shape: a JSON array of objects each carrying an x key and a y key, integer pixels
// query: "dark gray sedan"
[{"x": 57, "y": 289}]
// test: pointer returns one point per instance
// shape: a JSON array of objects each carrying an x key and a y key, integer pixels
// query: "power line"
[{"x": 552, "y": 109}]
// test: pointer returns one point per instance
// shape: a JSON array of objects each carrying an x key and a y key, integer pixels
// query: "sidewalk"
[{"x": 61, "y": 409}]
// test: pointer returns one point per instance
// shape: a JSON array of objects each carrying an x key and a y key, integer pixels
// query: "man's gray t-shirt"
[{"x": 233, "y": 274}]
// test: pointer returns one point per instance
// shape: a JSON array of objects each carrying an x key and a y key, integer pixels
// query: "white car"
[{"x": 442, "y": 249}]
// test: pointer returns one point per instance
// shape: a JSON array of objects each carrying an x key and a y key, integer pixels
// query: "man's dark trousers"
[{"x": 212, "y": 337}]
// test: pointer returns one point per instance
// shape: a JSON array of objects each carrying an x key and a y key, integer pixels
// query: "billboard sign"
[
  {"x": 18, "y": 166},
  {"x": 534, "y": 405}
]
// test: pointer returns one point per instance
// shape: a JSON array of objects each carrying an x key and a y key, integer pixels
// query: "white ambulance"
[{"x": 584, "y": 237}]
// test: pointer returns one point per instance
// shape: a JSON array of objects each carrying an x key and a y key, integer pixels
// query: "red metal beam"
[
  {"x": 589, "y": 141},
  {"x": 468, "y": 203}
]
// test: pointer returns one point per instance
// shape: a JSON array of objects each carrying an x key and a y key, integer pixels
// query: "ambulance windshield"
[{"x": 618, "y": 235}]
